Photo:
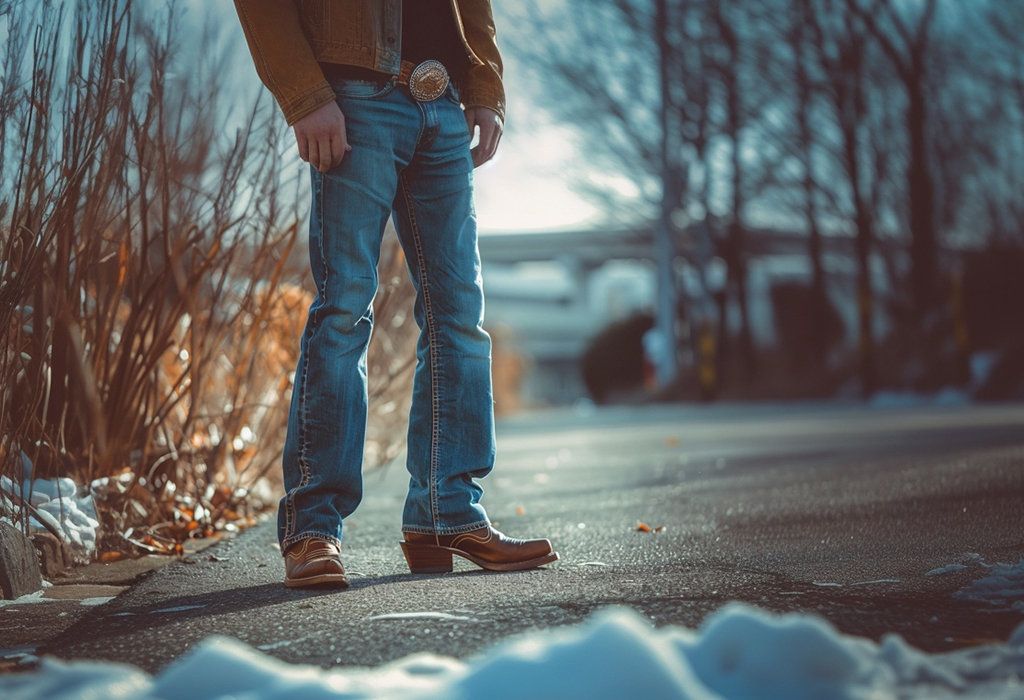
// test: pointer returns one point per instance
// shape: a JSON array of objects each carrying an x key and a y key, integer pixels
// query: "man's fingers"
[
  {"x": 491, "y": 126},
  {"x": 338, "y": 148},
  {"x": 324, "y": 146},
  {"x": 339, "y": 144},
  {"x": 489, "y": 135},
  {"x": 492, "y": 136},
  {"x": 479, "y": 153},
  {"x": 495, "y": 140},
  {"x": 314, "y": 153},
  {"x": 337, "y": 152},
  {"x": 321, "y": 137}
]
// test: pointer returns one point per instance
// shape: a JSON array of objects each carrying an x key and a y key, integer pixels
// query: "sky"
[{"x": 521, "y": 189}]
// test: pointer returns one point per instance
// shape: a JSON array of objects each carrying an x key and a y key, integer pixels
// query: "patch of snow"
[
  {"x": 740, "y": 653},
  {"x": 826, "y": 585},
  {"x": 871, "y": 583},
  {"x": 61, "y": 680},
  {"x": 28, "y": 598},
  {"x": 59, "y": 506},
  {"x": 17, "y": 652},
  {"x": 419, "y": 615},
  {"x": 1003, "y": 587},
  {"x": 948, "y": 569},
  {"x": 92, "y": 602}
]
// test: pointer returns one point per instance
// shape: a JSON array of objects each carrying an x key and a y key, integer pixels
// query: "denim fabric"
[{"x": 410, "y": 160}]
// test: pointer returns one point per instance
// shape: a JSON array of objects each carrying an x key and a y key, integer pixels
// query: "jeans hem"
[
  {"x": 288, "y": 542},
  {"x": 444, "y": 532}
]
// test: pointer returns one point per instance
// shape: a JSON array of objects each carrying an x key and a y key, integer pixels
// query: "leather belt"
[{"x": 427, "y": 81}]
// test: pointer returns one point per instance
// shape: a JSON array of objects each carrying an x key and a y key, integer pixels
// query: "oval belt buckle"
[{"x": 428, "y": 81}]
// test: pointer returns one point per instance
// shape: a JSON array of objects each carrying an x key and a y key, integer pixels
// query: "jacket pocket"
[
  {"x": 347, "y": 23},
  {"x": 314, "y": 12},
  {"x": 333, "y": 22}
]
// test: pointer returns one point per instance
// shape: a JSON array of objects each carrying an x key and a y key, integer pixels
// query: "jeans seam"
[
  {"x": 290, "y": 515},
  {"x": 435, "y": 422}
]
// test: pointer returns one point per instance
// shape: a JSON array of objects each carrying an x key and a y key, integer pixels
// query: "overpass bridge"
[{"x": 591, "y": 248}]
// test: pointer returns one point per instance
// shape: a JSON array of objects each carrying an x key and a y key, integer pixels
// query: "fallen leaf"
[
  {"x": 643, "y": 527},
  {"x": 660, "y": 528},
  {"x": 672, "y": 441},
  {"x": 520, "y": 510},
  {"x": 108, "y": 557}
]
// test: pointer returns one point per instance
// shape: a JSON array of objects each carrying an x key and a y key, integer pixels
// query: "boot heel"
[{"x": 427, "y": 558}]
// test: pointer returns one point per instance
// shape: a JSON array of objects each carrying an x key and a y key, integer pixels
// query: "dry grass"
[{"x": 151, "y": 300}]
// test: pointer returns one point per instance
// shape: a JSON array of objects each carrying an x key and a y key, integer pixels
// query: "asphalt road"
[{"x": 822, "y": 508}]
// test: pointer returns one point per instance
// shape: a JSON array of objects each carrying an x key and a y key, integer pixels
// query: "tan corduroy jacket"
[{"x": 287, "y": 38}]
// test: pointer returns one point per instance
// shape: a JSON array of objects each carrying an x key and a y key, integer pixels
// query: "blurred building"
[{"x": 549, "y": 294}]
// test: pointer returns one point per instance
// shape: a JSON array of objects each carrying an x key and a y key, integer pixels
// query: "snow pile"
[
  {"x": 741, "y": 653},
  {"x": 1002, "y": 588},
  {"x": 948, "y": 569},
  {"x": 58, "y": 503}
]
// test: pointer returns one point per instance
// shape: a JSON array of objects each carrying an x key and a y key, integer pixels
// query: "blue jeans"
[{"x": 410, "y": 160}]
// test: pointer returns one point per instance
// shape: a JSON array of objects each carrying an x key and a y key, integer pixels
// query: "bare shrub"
[{"x": 150, "y": 305}]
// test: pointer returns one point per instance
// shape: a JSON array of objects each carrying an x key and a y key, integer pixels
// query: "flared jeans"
[{"x": 410, "y": 160}]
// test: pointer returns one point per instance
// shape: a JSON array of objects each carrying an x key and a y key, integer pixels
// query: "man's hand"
[
  {"x": 321, "y": 137},
  {"x": 490, "y": 133}
]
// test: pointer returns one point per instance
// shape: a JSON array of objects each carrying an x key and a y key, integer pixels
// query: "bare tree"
[
  {"x": 907, "y": 43},
  {"x": 839, "y": 41}
]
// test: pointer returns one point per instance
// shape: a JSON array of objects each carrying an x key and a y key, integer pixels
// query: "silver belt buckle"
[{"x": 428, "y": 81}]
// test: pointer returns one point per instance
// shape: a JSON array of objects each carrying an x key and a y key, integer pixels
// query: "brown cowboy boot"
[
  {"x": 486, "y": 547},
  {"x": 311, "y": 562}
]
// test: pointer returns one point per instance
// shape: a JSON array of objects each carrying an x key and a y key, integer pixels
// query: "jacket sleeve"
[
  {"x": 284, "y": 60},
  {"x": 483, "y": 81}
]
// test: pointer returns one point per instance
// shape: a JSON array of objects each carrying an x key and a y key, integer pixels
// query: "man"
[{"x": 373, "y": 90}]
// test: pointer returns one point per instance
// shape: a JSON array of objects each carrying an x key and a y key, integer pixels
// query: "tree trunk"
[{"x": 923, "y": 245}]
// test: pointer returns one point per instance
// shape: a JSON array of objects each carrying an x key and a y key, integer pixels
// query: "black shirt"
[{"x": 429, "y": 32}]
